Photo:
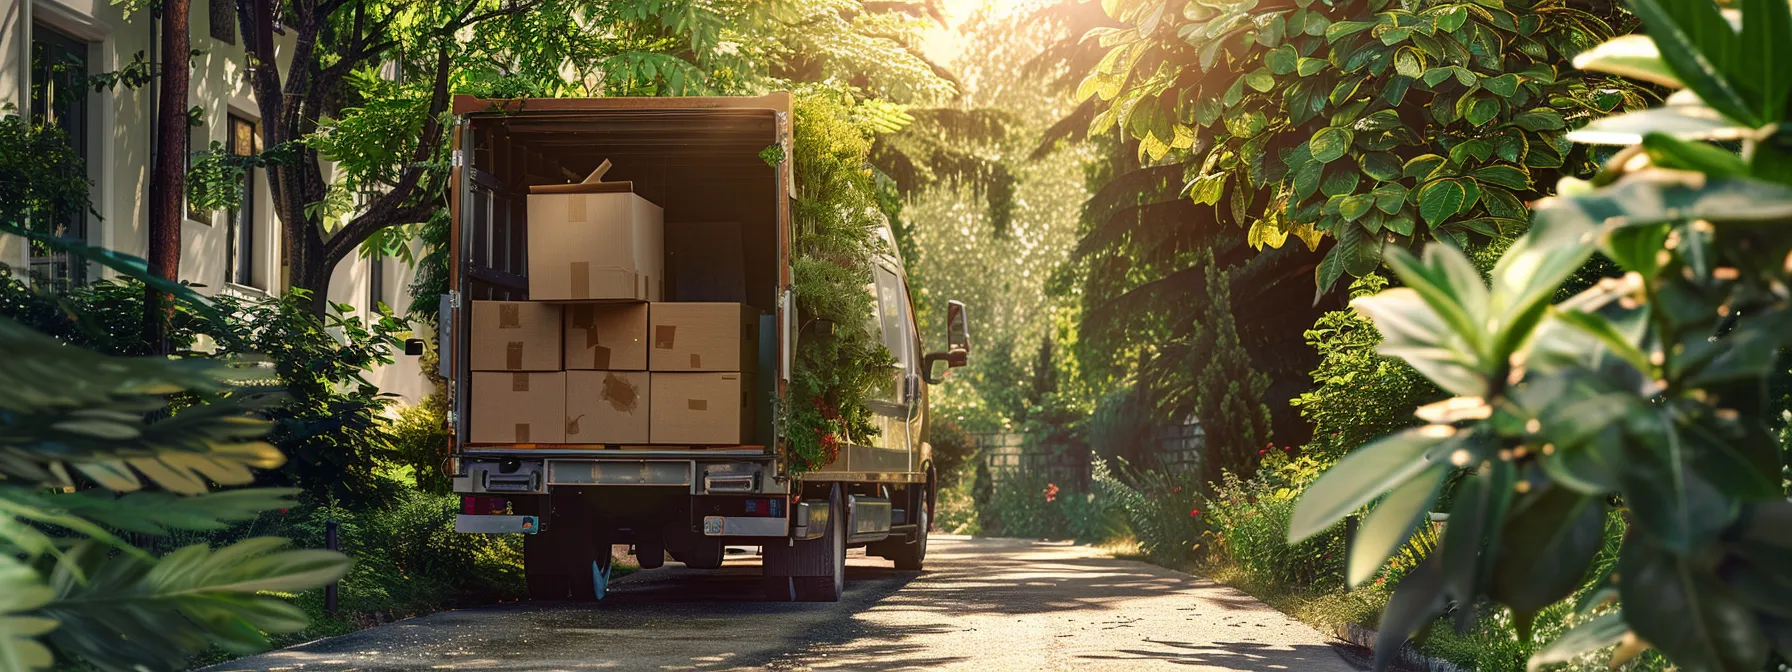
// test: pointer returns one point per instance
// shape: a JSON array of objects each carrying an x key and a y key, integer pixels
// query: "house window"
[
  {"x": 59, "y": 101},
  {"x": 240, "y": 264},
  {"x": 376, "y": 283}
]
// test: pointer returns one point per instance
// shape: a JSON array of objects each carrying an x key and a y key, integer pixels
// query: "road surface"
[{"x": 983, "y": 604}]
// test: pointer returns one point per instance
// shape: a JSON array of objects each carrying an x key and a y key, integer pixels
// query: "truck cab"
[{"x": 703, "y": 161}]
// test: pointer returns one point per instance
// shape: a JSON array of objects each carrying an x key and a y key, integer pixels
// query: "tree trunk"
[{"x": 167, "y": 179}]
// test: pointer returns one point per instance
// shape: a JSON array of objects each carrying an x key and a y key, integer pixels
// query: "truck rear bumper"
[
  {"x": 496, "y": 524},
  {"x": 537, "y": 475}
]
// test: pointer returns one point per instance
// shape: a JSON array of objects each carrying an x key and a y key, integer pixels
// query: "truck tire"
[
  {"x": 650, "y": 554},
  {"x": 910, "y": 557},
  {"x": 707, "y": 553},
  {"x": 812, "y": 570}
]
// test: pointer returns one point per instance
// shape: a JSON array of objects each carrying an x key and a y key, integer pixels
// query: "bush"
[
  {"x": 1249, "y": 523},
  {"x": 1163, "y": 509}
]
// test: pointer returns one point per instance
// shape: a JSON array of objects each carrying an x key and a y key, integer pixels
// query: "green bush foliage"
[
  {"x": 837, "y": 220},
  {"x": 1358, "y": 394},
  {"x": 1162, "y": 509},
  {"x": 1360, "y": 120},
  {"x": 1646, "y": 394},
  {"x": 1248, "y": 523}
]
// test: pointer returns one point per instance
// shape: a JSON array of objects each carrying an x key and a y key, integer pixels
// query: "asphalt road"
[{"x": 983, "y": 604}]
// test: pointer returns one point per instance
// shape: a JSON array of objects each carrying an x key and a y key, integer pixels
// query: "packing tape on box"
[
  {"x": 581, "y": 279},
  {"x": 664, "y": 336},
  {"x": 572, "y": 427},
  {"x": 623, "y": 395},
  {"x": 519, "y": 382},
  {"x": 510, "y": 316},
  {"x": 585, "y": 317},
  {"x": 513, "y": 355},
  {"x": 522, "y": 432},
  {"x": 697, "y": 404},
  {"x": 696, "y": 361},
  {"x": 575, "y": 208},
  {"x": 600, "y": 358}
]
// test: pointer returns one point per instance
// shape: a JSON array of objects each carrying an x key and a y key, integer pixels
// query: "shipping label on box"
[
  {"x": 518, "y": 408},
  {"x": 606, "y": 336},
  {"x": 595, "y": 246},
  {"x": 701, "y": 409},
  {"x": 607, "y": 406},
  {"x": 703, "y": 337},
  {"x": 515, "y": 336}
]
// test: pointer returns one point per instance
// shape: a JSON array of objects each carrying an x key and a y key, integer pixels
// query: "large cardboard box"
[
  {"x": 515, "y": 336},
  {"x": 607, "y": 406},
  {"x": 595, "y": 240},
  {"x": 518, "y": 408},
  {"x": 606, "y": 336},
  {"x": 703, "y": 337},
  {"x": 701, "y": 408}
]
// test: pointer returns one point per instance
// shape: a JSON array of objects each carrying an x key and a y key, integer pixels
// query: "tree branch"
[{"x": 389, "y": 208}]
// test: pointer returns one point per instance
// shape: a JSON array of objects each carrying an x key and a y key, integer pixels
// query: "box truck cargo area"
[{"x": 620, "y": 328}]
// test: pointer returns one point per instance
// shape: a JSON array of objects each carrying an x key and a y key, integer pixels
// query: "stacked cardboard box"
[{"x": 589, "y": 360}]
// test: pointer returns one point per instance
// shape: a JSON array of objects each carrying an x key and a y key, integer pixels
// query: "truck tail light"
[
  {"x": 474, "y": 505},
  {"x": 764, "y": 506}
]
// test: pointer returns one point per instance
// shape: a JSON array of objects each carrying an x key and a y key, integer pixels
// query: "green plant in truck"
[{"x": 1646, "y": 393}]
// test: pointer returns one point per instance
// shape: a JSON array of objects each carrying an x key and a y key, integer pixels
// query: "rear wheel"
[
  {"x": 810, "y": 570},
  {"x": 912, "y": 555},
  {"x": 707, "y": 553}
]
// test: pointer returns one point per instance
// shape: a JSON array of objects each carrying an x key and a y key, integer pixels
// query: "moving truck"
[{"x": 619, "y": 335}]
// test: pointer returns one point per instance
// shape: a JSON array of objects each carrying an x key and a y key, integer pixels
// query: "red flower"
[
  {"x": 1051, "y": 492},
  {"x": 1263, "y": 452},
  {"x": 1175, "y": 489},
  {"x": 1194, "y": 513}
]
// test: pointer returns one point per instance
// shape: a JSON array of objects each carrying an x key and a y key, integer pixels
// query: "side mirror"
[{"x": 958, "y": 344}]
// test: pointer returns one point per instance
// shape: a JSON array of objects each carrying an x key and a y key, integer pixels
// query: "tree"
[
  {"x": 167, "y": 178},
  {"x": 1646, "y": 394},
  {"x": 1208, "y": 375}
]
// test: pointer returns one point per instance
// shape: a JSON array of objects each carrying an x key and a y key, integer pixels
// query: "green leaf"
[
  {"x": 1667, "y": 151},
  {"x": 1609, "y": 336},
  {"x": 1503, "y": 86},
  {"x": 1449, "y": 285},
  {"x": 1330, "y": 143},
  {"x": 1407, "y": 62},
  {"x": 1603, "y": 631},
  {"x": 1328, "y": 271},
  {"x": 1698, "y": 43},
  {"x": 1340, "y": 179},
  {"x": 1260, "y": 79},
  {"x": 1353, "y": 207},
  {"x": 1442, "y": 199},
  {"x": 1676, "y": 604},
  {"x": 1548, "y": 543},
  {"x": 1632, "y": 56},
  {"x": 1365, "y": 474},
  {"x": 1416, "y": 602},
  {"x": 1766, "y": 66},
  {"x": 1271, "y": 32},
  {"x": 1401, "y": 222},
  {"x": 1481, "y": 110},
  {"x": 1423, "y": 167},
  {"x": 1510, "y": 177},
  {"x": 1342, "y": 29},
  {"x": 1307, "y": 67},
  {"x": 1451, "y": 19},
  {"x": 1479, "y": 508},
  {"x": 1390, "y": 523},
  {"x": 1437, "y": 75},
  {"x": 1383, "y": 166},
  {"x": 1538, "y": 119},
  {"x": 1281, "y": 60}
]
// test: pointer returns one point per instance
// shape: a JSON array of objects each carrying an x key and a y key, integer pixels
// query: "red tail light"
[{"x": 473, "y": 505}]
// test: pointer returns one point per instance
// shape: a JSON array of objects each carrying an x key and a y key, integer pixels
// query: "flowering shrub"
[
  {"x": 1163, "y": 508},
  {"x": 1248, "y": 521}
]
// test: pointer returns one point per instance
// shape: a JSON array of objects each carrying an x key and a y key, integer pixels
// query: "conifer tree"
[{"x": 1228, "y": 392}]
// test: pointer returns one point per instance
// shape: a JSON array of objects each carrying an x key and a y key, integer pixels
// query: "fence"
[{"x": 1180, "y": 447}]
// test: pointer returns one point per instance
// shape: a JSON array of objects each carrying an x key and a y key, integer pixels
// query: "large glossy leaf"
[
  {"x": 1676, "y": 603},
  {"x": 1330, "y": 143},
  {"x": 1364, "y": 475},
  {"x": 1416, "y": 601},
  {"x": 1672, "y": 504},
  {"x": 1450, "y": 285},
  {"x": 1633, "y": 56},
  {"x": 1600, "y": 632},
  {"x": 1413, "y": 331},
  {"x": 1766, "y": 66},
  {"x": 1548, "y": 543},
  {"x": 1702, "y": 48},
  {"x": 1442, "y": 199},
  {"x": 1391, "y": 523},
  {"x": 1683, "y": 116},
  {"x": 1475, "y": 521}
]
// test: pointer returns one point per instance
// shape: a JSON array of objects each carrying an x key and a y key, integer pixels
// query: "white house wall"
[{"x": 120, "y": 146}]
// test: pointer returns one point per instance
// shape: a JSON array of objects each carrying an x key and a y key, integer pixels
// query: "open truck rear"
[{"x": 715, "y": 166}]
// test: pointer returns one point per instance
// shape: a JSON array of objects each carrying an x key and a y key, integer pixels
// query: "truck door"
[{"x": 895, "y": 403}]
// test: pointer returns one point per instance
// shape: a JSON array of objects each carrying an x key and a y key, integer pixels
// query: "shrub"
[
  {"x": 1162, "y": 508},
  {"x": 1249, "y": 523},
  {"x": 1358, "y": 394}
]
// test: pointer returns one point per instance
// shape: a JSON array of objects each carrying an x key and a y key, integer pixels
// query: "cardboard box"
[
  {"x": 518, "y": 408},
  {"x": 606, "y": 336},
  {"x": 515, "y": 336},
  {"x": 594, "y": 240},
  {"x": 701, "y": 408},
  {"x": 703, "y": 337},
  {"x": 705, "y": 261},
  {"x": 607, "y": 406}
]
